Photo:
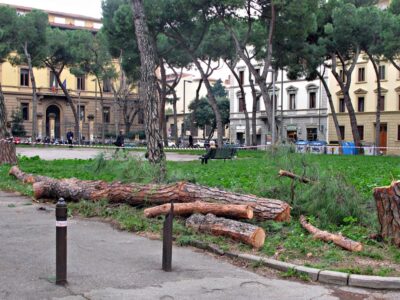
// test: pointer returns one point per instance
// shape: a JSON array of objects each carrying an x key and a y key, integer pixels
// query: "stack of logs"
[{"x": 211, "y": 209}]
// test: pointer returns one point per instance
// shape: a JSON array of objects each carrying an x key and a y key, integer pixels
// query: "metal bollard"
[
  {"x": 61, "y": 242},
  {"x": 167, "y": 240}
]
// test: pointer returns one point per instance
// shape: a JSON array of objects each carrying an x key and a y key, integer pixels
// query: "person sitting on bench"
[{"x": 210, "y": 153}]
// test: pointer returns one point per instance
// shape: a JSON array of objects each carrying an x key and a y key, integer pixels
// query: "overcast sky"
[{"x": 91, "y": 8}]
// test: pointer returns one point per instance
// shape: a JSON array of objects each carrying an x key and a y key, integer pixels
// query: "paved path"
[
  {"x": 87, "y": 153},
  {"x": 104, "y": 263}
]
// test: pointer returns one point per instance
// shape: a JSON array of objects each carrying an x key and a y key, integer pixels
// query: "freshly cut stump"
[
  {"x": 7, "y": 153},
  {"x": 387, "y": 201},
  {"x": 239, "y": 231},
  {"x": 182, "y": 209},
  {"x": 326, "y": 236}
]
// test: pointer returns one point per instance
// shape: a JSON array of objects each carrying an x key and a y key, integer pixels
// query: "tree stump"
[
  {"x": 387, "y": 201},
  {"x": 7, "y": 153}
]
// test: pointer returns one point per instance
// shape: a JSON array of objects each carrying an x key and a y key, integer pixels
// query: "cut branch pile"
[
  {"x": 388, "y": 207},
  {"x": 326, "y": 236},
  {"x": 243, "y": 232},
  {"x": 150, "y": 194}
]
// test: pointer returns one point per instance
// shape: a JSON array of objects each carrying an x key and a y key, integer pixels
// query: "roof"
[{"x": 55, "y": 13}]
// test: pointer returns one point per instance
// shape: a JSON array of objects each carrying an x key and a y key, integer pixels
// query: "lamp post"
[{"x": 184, "y": 107}]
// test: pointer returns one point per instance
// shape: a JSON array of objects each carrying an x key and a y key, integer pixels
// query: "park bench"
[{"x": 221, "y": 153}]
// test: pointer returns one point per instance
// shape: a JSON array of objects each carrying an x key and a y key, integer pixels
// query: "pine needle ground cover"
[{"x": 341, "y": 201}]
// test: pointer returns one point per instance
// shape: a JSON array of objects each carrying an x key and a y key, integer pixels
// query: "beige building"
[
  {"x": 55, "y": 116},
  {"x": 363, "y": 94}
]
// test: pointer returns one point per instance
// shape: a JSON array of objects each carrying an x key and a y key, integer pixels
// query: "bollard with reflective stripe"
[
  {"x": 167, "y": 240},
  {"x": 61, "y": 242}
]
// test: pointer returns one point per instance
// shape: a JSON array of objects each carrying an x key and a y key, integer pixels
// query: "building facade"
[
  {"x": 300, "y": 108},
  {"x": 364, "y": 97},
  {"x": 55, "y": 117}
]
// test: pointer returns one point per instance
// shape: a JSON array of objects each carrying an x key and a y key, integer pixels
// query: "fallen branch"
[
  {"x": 182, "y": 209},
  {"x": 326, "y": 236},
  {"x": 387, "y": 201},
  {"x": 24, "y": 177},
  {"x": 151, "y": 194},
  {"x": 243, "y": 232},
  {"x": 295, "y": 176}
]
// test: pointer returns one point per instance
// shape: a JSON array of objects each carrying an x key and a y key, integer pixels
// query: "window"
[
  {"x": 342, "y": 132},
  {"x": 361, "y": 107},
  {"x": 342, "y": 105},
  {"x": 313, "y": 99},
  {"x": 312, "y": 134},
  {"x": 361, "y": 74},
  {"x": 398, "y": 132},
  {"x": 258, "y": 103},
  {"x": 24, "y": 77},
  {"x": 241, "y": 102},
  {"x": 80, "y": 83},
  {"x": 106, "y": 85},
  {"x": 399, "y": 102},
  {"x": 141, "y": 117},
  {"x": 292, "y": 101},
  {"x": 106, "y": 114},
  {"x": 382, "y": 104},
  {"x": 53, "y": 81},
  {"x": 361, "y": 131},
  {"x": 382, "y": 71},
  {"x": 81, "y": 112},
  {"x": 25, "y": 111},
  {"x": 241, "y": 77}
]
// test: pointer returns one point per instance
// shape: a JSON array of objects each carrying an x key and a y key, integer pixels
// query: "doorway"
[
  {"x": 383, "y": 137},
  {"x": 56, "y": 111}
]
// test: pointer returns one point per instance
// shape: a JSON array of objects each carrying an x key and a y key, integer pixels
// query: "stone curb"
[{"x": 325, "y": 276}]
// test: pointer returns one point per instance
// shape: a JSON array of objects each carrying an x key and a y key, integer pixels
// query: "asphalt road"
[
  {"x": 104, "y": 263},
  {"x": 54, "y": 152}
]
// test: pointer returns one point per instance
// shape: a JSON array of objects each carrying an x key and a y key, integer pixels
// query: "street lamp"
[
  {"x": 184, "y": 106},
  {"x": 273, "y": 104}
]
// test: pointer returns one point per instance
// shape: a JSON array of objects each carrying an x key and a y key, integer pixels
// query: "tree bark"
[
  {"x": 225, "y": 210},
  {"x": 7, "y": 149},
  {"x": 137, "y": 194},
  {"x": 326, "y": 236},
  {"x": 388, "y": 207},
  {"x": 148, "y": 86},
  {"x": 243, "y": 232},
  {"x": 25, "y": 177},
  {"x": 34, "y": 93},
  {"x": 163, "y": 96}
]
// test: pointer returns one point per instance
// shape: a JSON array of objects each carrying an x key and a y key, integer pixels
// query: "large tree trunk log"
[
  {"x": 7, "y": 153},
  {"x": 388, "y": 207},
  {"x": 137, "y": 194},
  {"x": 326, "y": 236},
  {"x": 243, "y": 232},
  {"x": 225, "y": 210}
]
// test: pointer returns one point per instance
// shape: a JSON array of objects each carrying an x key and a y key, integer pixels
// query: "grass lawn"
[{"x": 353, "y": 213}]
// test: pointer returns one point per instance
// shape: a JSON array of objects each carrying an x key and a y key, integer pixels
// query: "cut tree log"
[
  {"x": 182, "y": 209},
  {"x": 295, "y": 176},
  {"x": 239, "y": 231},
  {"x": 387, "y": 201},
  {"x": 152, "y": 194},
  {"x": 24, "y": 177},
  {"x": 7, "y": 153},
  {"x": 326, "y": 236}
]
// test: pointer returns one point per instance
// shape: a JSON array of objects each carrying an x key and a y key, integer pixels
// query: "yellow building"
[
  {"x": 55, "y": 116},
  {"x": 363, "y": 93}
]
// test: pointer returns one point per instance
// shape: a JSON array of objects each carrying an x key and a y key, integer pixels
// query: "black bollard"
[
  {"x": 167, "y": 240},
  {"x": 61, "y": 242}
]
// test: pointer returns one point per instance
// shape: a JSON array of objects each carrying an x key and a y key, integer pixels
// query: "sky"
[{"x": 90, "y": 8}]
